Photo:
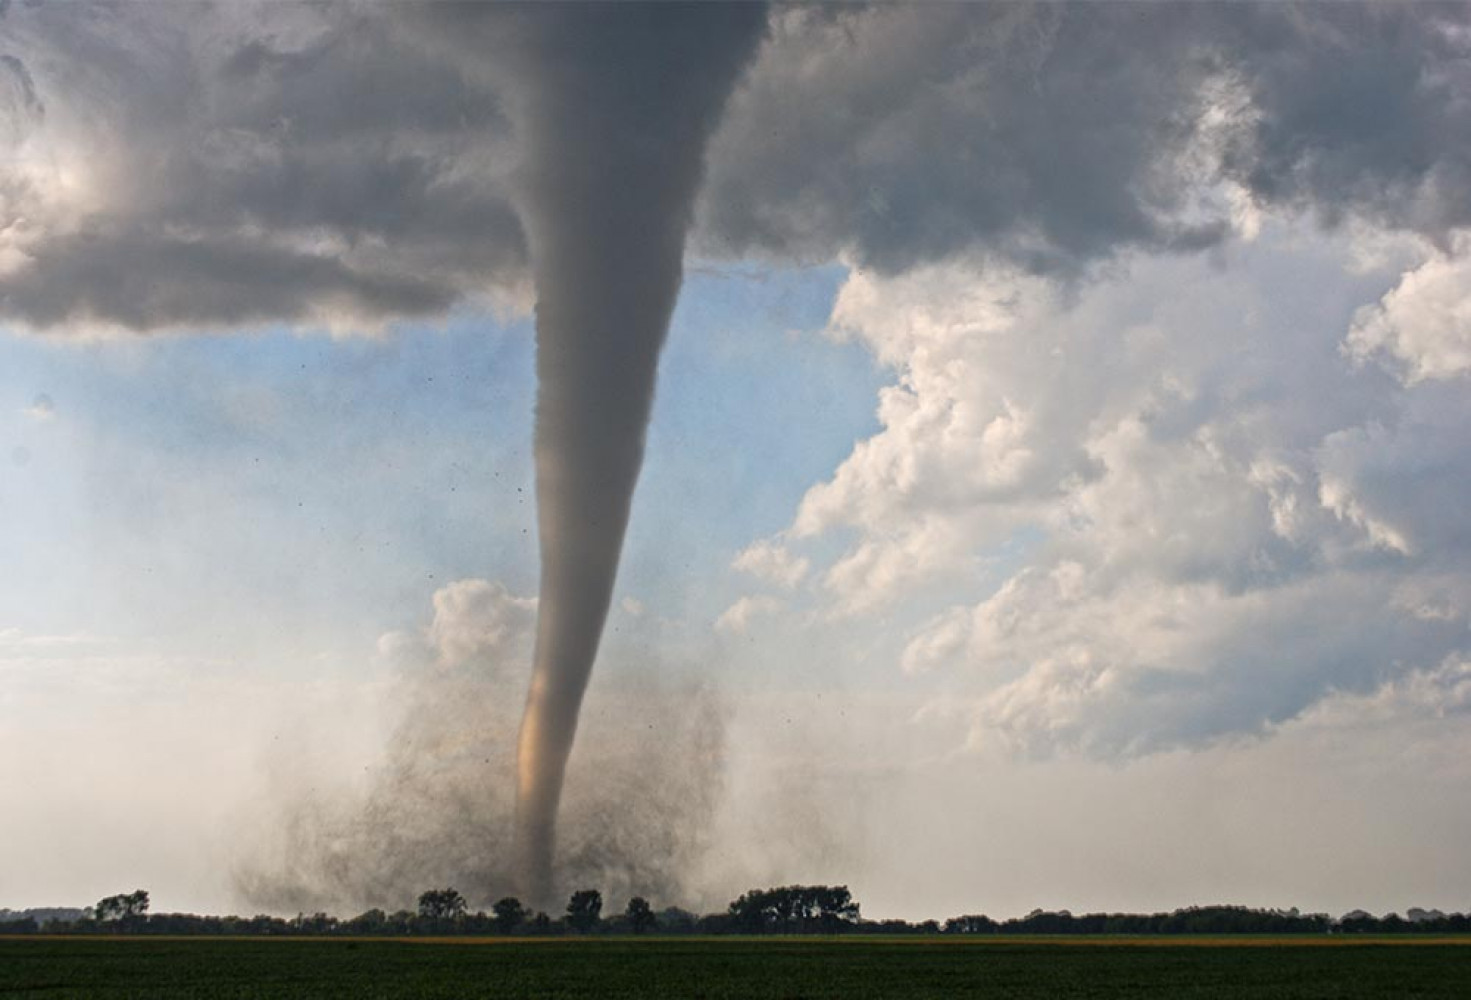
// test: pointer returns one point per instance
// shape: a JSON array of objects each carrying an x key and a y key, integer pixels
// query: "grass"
[{"x": 718, "y": 968}]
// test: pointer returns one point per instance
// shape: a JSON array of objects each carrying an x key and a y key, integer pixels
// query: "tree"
[
  {"x": 441, "y": 904},
  {"x": 509, "y": 914},
  {"x": 672, "y": 918},
  {"x": 795, "y": 908},
  {"x": 122, "y": 907},
  {"x": 584, "y": 909},
  {"x": 971, "y": 923},
  {"x": 368, "y": 922},
  {"x": 640, "y": 914},
  {"x": 316, "y": 923}
]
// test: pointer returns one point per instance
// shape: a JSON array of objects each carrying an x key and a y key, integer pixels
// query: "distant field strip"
[{"x": 1201, "y": 968}]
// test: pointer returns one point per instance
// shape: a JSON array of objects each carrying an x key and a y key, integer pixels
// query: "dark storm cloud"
[
  {"x": 379, "y": 141},
  {"x": 908, "y": 133},
  {"x": 1055, "y": 135},
  {"x": 20, "y": 111},
  {"x": 1363, "y": 109},
  {"x": 24, "y": 87},
  {"x": 138, "y": 280},
  {"x": 229, "y": 166}
]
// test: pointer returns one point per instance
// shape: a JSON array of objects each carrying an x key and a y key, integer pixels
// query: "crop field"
[{"x": 1180, "y": 969}]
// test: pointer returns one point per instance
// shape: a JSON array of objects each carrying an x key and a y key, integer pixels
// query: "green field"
[{"x": 76, "y": 968}]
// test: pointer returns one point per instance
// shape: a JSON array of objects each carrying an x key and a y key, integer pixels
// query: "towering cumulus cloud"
[{"x": 619, "y": 105}]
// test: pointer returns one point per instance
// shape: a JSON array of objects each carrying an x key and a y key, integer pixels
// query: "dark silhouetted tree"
[
  {"x": 373, "y": 921},
  {"x": 585, "y": 909},
  {"x": 122, "y": 908},
  {"x": 509, "y": 914},
  {"x": 316, "y": 923},
  {"x": 971, "y": 923},
  {"x": 794, "y": 908},
  {"x": 442, "y": 904},
  {"x": 640, "y": 914},
  {"x": 672, "y": 918}
]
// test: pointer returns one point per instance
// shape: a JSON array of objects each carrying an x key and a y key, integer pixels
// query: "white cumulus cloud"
[
  {"x": 771, "y": 561},
  {"x": 479, "y": 620},
  {"x": 738, "y": 617},
  {"x": 1422, "y": 327},
  {"x": 1160, "y": 508}
]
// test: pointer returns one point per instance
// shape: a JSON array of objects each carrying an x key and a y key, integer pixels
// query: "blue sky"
[
  {"x": 197, "y": 521},
  {"x": 328, "y": 484}
]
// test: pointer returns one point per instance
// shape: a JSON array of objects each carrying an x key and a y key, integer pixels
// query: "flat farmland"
[{"x": 719, "y": 968}]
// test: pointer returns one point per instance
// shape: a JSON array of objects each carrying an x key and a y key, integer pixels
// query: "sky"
[{"x": 1055, "y": 494}]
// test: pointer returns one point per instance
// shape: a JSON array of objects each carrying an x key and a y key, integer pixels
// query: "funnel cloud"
[{"x": 619, "y": 107}]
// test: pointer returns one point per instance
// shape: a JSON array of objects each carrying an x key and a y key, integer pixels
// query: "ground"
[{"x": 852, "y": 967}]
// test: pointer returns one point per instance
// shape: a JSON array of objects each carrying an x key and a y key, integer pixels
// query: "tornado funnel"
[{"x": 617, "y": 117}]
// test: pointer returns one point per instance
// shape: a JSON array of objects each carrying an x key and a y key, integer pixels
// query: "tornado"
[{"x": 621, "y": 104}]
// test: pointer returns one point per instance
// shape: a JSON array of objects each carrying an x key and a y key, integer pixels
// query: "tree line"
[{"x": 792, "y": 909}]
